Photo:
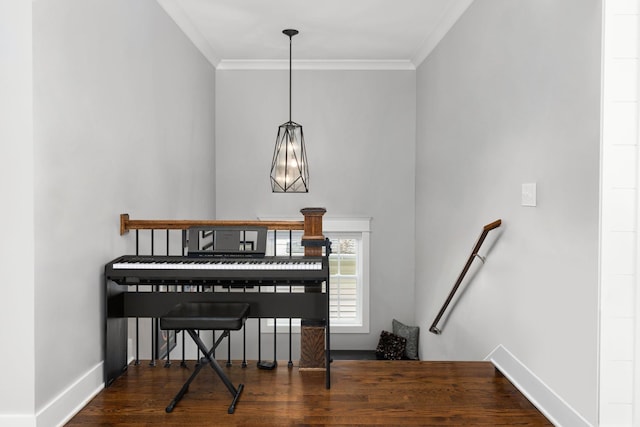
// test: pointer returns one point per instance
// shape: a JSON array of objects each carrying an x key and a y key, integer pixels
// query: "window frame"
[{"x": 358, "y": 228}]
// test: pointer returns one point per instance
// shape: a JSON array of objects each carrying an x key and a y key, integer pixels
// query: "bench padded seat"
[{"x": 206, "y": 315}]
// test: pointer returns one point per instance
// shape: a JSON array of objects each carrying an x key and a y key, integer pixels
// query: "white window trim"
[{"x": 360, "y": 226}]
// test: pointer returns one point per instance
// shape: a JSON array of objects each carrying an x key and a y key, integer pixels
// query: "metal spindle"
[
  {"x": 259, "y": 339},
  {"x": 154, "y": 321},
  {"x": 275, "y": 320},
  {"x": 199, "y": 289},
  {"x": 228, "y": 340},
  {"x": 275, "y": 339},
  {"x": 137, "y": 362},
  {"x": 244, "y": 339},
  {"x": 167, "y": 362},
  {"x": 290, "y": 363},
  {"x": 183, "y": 362}
]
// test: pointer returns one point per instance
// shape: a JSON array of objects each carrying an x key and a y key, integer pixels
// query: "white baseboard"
[
  {"x": 557, "y": 411},
  {"x": 71, "y": 400},
  {"x": 64, "y": 406}
]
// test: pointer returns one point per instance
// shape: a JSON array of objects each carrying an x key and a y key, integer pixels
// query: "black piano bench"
[{"x": 192, "y": 316}]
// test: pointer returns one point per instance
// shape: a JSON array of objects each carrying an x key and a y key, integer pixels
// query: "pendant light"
[{"x": 289, "y": 170}]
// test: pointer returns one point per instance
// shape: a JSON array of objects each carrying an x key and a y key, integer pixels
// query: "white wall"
[
  {"x": 17, "y": 213},
  {"x": 619, "y": 303},
  {"x": 512, "y": 95},
  {"x": 359, "y": 128},
  {"x": 124, "y": 122}
]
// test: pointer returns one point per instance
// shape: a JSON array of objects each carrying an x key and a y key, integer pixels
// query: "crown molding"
[
  {"x": 183, "y": 22},
  {"x": 447, "y": 21},
  {"x": 249, "y": 64}
]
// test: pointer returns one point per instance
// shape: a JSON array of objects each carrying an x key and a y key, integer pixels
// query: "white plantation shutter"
[
  {"x": 344, "y": 266},
  {"x": 348, "y": 264}
]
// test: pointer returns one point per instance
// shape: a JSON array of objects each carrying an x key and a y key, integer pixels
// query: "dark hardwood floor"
[{"x": 362, "y": 392}]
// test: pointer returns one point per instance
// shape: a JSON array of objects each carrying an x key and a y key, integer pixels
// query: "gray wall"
[
  {"x": 512, "y": 95},
  {"x": 360, "y": 134},
  {"x": 123, "y": 123},
  {"x": 17, "y": 212}
]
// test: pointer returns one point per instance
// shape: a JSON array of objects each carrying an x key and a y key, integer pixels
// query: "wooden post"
[
  {"x": 312, "y": 332},
  {"x": 312, "y": 345},
  {"x": 313, "y": 229}
]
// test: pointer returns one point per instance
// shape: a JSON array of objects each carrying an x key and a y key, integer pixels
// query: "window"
[
  {"x": 349, "y": 273},
  {"x": 345, "y": 268}
]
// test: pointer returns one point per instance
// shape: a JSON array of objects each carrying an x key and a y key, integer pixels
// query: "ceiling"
[{"x": 394, "y": 34}]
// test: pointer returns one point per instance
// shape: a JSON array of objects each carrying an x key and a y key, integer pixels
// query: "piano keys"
[{"x": 132, "y": 270}]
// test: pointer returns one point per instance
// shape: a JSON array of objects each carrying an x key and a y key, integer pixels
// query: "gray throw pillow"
[{"x": 411, "y": 334}]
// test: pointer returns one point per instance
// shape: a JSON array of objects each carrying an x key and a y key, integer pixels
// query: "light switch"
[{"x": 529, "y": 194}]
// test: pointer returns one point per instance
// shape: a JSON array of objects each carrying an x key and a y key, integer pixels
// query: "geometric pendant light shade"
[{"x": 289, "y": 168}]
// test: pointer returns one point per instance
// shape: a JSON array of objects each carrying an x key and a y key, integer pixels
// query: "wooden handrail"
[
  {"x": 312, "y": 225},
  {"x": 127, "y": 224},
  {"x": 494, "y": 224},
  {"x": 474, "y": 253}
]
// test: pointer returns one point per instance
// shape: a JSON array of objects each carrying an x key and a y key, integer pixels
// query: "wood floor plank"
[{"x": 362, "y": 393}]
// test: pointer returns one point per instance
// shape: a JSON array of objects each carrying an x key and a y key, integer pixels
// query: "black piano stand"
[{"x": 192, "y": 316}]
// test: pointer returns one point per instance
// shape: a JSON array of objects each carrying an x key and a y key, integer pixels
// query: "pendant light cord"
[
  {"x": 290, "y": 48},
  {"x": 290, "y": 33}
]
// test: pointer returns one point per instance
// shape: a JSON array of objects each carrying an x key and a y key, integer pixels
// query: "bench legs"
[{"x": 208, "y": 359}]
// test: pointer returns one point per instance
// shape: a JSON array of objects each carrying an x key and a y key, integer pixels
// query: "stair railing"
[{"x": 474, "y": 253}]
